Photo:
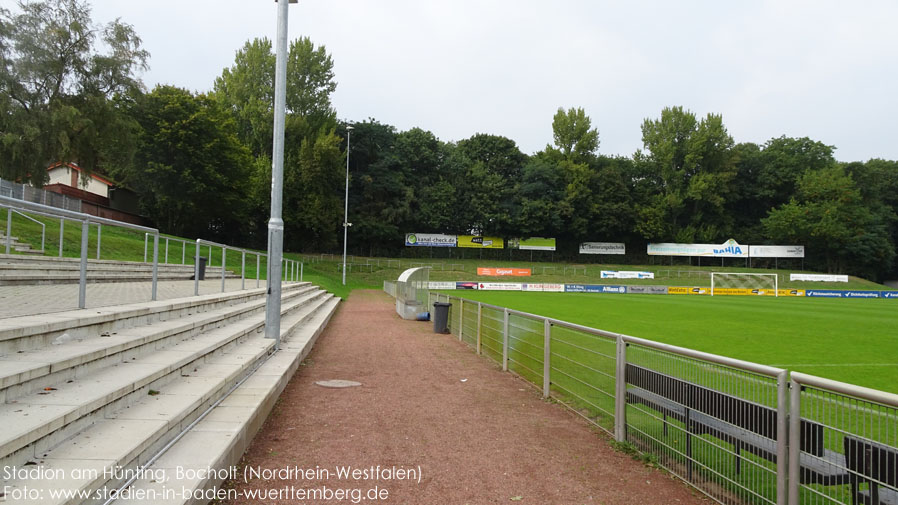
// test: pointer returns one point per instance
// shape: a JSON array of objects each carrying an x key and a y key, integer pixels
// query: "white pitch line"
[{"x": 836, "y": 364}]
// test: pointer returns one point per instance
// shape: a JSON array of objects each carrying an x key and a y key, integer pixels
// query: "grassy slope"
[{"x": 811, "y": 335}]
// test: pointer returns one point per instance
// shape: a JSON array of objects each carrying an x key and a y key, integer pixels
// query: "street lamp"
[
  {"x": 276, "y": 223},
  {"x": 346, "y": 223}
]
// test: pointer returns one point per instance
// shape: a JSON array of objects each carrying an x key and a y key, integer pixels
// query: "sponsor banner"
[
  {"x": 441, "y": 285},
  {"x": 622, "y": 274},
  {"x": 499, "y": 286},
  {"x": 743, "y": 292},
  {"x": 790, "y": 292},
  {"x": 555, "y": 288},
  {"x": 647, "y": 290},
  {"x": 429, "y": 240},
  {"x": 890, "y": 294},
  {"x": 498, "y": 272},
  {"x": 818, "y": 277},
  {"x": 841, "y": 293},
  {"x": 603, "y": 248},
  {"x": 465, "y": 285},
  {"x": 776, "y": 251},
  {"x": 480, "y": 242},
  {"x": 729, "y": 249},
  {"x": 682, "y": 290},
  {"x": 594, "y": 288},
  {"x": 825, "y": 293},
  {"x": 532, "y": 244}
]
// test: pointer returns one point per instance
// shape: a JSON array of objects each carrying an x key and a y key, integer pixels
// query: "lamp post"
[
  {"x": 276, "y": 223},
  {"x": 346, "y": 223}
]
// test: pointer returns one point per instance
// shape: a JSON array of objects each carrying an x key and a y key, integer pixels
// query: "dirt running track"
[{"x": 428, "y": 404}]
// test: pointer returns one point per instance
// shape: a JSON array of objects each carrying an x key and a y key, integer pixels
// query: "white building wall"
[{"x": 63, "y": 175}]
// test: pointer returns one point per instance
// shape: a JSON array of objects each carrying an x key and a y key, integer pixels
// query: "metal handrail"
[
  {"x": 86, "y": 220},
  {"x": 9, "y": 228}
]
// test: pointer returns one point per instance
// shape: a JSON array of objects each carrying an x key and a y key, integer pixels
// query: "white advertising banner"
[
  {"x": 776, "y": 251},
  {"x": 430, "y": 240},
  {"x": 729, "y": 249},
  {"x": 818, "y": 277},
  {"x": 615, "y": 274},
  {"x": 555, "y": 288},
  {"x": 441, "y": 285},
  {"x": 500, "y": 286},
  {"x": 603, "y": 248}
]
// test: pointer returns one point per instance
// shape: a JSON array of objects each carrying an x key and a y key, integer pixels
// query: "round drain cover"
[{"x": 338, "y": 383}]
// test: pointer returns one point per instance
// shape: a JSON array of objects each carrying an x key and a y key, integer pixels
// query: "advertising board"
[
  {"x": 532, "y": 244},
  {"x": 499, "y": 286},
  {"x": 818, "y": 277},
  {"x": 480, "y": 242},
  {"x": 776, "y": 251},
  {"x": 429, "y": 240},
  {"x": 603, "y": 248},
  {"x": 729, "y": 249},
  {"x": 623, "y": 274},
  {"x": 499, "y": 272}
]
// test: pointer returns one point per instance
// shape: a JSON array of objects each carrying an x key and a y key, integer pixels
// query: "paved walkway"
[
  {"x": 27, "y": 300},
  {"x": 432, "y": 423}
]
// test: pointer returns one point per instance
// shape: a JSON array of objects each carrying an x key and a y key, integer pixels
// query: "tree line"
[{"x": 201, "y": 161}]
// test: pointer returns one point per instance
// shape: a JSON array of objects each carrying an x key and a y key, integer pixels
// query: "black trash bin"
[
  {"x": 202, "y": 272},
  {"x": 441, "y": 317}
]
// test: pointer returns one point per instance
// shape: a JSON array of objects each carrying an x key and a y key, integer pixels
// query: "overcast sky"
[{"x": 821, "y": 69}]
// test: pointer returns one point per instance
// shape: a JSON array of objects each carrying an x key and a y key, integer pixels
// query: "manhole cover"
[{"x": 338, "y": 383}]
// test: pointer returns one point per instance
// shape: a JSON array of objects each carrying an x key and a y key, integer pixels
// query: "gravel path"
[{"x": 462, "y": 430}]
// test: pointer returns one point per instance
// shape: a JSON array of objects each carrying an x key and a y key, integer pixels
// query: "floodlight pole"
[
  {"x": 346, "y": 223},
  {"x": 276, "y": 223}
]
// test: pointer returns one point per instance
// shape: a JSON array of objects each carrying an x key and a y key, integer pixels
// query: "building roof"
[{"x": 73, "y": 166}]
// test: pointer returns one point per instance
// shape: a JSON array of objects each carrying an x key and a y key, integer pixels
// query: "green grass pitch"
[{"x": 854, "y": 341}]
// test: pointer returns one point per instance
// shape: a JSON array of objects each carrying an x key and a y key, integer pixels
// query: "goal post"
[{"x": 737, "y": 283}]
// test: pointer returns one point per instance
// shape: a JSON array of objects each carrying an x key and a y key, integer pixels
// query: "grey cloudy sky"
[{"x": 821, "y": 69}]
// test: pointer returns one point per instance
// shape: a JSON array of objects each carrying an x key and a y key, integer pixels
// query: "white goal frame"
[{"x": 714, "y": 275}]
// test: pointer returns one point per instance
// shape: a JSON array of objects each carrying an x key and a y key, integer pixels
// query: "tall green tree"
[
  {"x": 59, "y": 73},
  {"x": 489, "y": 188},
  {"x": 691, "y": 164},
  {"x": 828, "y": 215},
  {"x": 575, "y": 138},
  {"x": 192, "y": 171}
]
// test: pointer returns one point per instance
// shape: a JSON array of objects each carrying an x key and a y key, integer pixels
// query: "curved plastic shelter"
[{"x": 412, "y": 292}]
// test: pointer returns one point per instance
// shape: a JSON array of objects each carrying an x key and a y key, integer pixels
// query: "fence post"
[
  {"x": 461, "y": 318},
  {"x": 479, "y": 322},
  {"x": 61, "y": 228},
  {"x": 166, "y": 251},
  {"x": 547, "y": 353},
  {"x": 620, "y": 391},
  {"x": 196, "y": 269},
  {"x": 99, "y": 235},
  {"x": 224, "y": 262},
  {"x": 183, "y": 252},
  {"x": 82, "y": 282},
  {"x": 242, "y": 270},
  {"x": 793, "y": 482},
  {"x": 782, "y": 437},
  {"x": 9, "y": 229},
  {"x": 146, "y": 239},
  {"x": 505, "y": 341},
  {"x": 300, "y": 272},
  {"x": 155, "y": 263},
  {"x": 258, "y": 274}
]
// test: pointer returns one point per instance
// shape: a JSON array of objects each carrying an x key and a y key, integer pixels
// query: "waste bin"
[
  {"x": 441, "y": 317},
  {"x": 202, "y": 269}
]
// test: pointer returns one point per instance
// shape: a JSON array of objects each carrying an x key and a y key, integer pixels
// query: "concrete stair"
[
  {"x": 17, "y": 270},
  {"x": 91, "y": 396},
  {"x": 20, "y": 247}
]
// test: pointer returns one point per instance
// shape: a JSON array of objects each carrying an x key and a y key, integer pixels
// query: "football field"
[{"x": 848, "y": 340}]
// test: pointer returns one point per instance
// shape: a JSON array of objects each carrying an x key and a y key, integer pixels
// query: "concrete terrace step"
[
  {"x": 32, "y": 332},
  {"x": 25, "y": 372},
  {"x": 37, "y": 422},
  {"x": 131, "y": 436},
  {"x": 220, "y": 439}
]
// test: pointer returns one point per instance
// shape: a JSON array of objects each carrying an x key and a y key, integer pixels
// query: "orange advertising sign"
[{"x": 498, "y": 272}]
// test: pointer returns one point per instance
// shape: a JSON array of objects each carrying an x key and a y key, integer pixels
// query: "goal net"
[{"x": 728, "y": 283}]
